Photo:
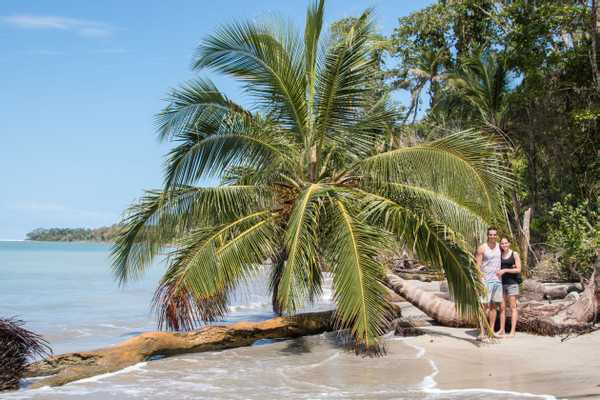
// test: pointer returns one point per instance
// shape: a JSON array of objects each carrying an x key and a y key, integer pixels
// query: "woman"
[{"x": 510, "y": 271}]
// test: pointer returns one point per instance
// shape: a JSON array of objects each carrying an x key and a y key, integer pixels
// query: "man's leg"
[
  {"x": 502, "y": 319},
  {"x": 492, "y": 315}
]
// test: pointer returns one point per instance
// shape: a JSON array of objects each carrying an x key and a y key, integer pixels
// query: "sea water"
[{"x": 67, "y": 293}]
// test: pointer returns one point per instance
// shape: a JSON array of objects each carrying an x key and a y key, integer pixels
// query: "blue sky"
[{"x": 81, "y": 82}]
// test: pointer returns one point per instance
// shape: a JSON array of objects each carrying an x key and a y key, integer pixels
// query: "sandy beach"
[{"x": 525, "y": 364}]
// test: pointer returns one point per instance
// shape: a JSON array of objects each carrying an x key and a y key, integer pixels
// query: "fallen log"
[
  {"x": 65, "y": 368},
  {"x": 440, "y": 310},
  {"x": 534, "y": 290},
  {"x": 560, "y": 317}
]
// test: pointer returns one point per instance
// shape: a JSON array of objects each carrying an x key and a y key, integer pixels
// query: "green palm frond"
[
  {"x": 301, "y": 276},
  {"x": 268, "y": 60},
  {"x": 482, "y": 80},
  {"x": 196, "y": 102},
  {"x": 435, "y": 245},
  {"x": 208, "y": 263},
  {"x": 464, "y": 166},
  {"x": 344, "y": 79},
  {"x": 459, "y": 214},
  {"x": 160, "y": 217},
  {"x": 233, "y": 143},
  {"x": 357, "y": 277},
  {"x": 312, "y": 33}
]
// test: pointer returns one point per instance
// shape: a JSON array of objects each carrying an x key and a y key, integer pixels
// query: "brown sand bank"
[{"x": 526, "y": 363}]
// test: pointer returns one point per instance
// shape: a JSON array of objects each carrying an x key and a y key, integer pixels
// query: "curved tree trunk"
[
  {"x": 70, "y": 367},
  {"x": 440, "y": 310},
  {"x": 534, "y": 317}
]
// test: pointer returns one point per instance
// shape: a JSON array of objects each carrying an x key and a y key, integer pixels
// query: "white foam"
[
  {"x": 428, "y": 385},
  {"x": 136, "y": 367},
  {"x": 250, "y": 306},
  {"x": 490, "y": 391}
]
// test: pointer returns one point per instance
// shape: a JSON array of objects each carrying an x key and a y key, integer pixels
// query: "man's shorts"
[
  {"x": 511, "y": 290},
  {"x": 493, "y": 293}
]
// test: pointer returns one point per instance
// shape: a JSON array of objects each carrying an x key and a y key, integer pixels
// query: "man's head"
[{"x": 492, "y": 235}]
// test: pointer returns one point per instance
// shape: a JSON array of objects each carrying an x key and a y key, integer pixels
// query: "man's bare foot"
[
  {"x": 499, "y": 334},
  {"x": 511, "y": 335}
]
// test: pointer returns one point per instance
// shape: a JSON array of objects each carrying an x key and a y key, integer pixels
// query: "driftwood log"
[
  {"x": 70, "y": 367},
  {"x": 543, "y": 318}
]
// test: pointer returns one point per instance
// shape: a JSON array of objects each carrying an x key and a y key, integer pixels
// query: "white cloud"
[
  {"x": 61, "y": 209},
  {"x": 44, "y": 52},
  {"x": 80, "y": 26}
]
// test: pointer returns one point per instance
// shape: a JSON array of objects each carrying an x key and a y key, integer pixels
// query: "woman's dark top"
[{"x": 509, "y": 263}]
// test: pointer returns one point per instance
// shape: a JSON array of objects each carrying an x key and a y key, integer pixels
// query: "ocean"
[{"x": 66, "y": 292}]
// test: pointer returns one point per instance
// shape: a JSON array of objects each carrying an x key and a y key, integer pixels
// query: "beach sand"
[{"x": 525, "y": 363}]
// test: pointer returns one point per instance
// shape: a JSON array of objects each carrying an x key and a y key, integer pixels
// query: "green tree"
[{"x": 304, "y": 184}]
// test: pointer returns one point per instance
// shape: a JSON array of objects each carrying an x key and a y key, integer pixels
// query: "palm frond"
[
  {"x": 208, "y": 264},
  {"x": 465, "y": 166},
  {"x": 357, "y": 276},
  {"x": 268, "y": 60},
  {"x": 194, "y": 103},
  {"x": 301, "y": 276},
  {"x": 434, "y": 244},
  {"x": 460, "y": 214},
  {"x": 210, "y": 152},
  {"x": 153, "y": 223},
  {"x": 344, "y": 79},
  {"x": 312, "y": 33}
]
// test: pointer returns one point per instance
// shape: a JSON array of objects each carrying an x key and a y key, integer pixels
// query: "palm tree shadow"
[
  {"x": 305, "y": 344},
  {"x": 472, "y": 339}
]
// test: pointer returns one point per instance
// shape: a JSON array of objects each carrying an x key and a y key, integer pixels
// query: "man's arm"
[{"x": 479, "y": 257}]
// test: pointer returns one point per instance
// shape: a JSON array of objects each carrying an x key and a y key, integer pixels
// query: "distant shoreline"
[{"x": 105, "y": 234}]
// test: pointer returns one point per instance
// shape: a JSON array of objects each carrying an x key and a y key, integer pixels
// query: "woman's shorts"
[{"x": 511, "y": 290}]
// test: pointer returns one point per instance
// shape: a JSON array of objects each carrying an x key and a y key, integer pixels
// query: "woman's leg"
[
  {"x": 502, "y": 318},
  {"x": 514, "y": 316}
]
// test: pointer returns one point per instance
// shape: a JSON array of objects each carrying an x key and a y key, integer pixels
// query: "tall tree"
[{"x": 305, "y": 184}]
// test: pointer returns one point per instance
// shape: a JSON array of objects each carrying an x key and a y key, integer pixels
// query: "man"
[{"x": 488, "y": 260}]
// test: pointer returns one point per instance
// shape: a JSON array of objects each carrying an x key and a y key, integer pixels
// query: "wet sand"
[{"x": 526, "y": 363}]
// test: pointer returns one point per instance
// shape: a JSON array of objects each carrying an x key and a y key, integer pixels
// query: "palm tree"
[
  {"x": 482, "y": 81},
  {"x": 427, "y": 69},
  {"x": 302, "y": 184}
]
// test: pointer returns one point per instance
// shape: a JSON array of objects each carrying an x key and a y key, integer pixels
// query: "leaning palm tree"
[{"x": 304, "y": 184}]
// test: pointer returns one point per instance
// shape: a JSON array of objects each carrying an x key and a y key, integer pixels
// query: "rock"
[
  {"x": 403, "y": 327},
  {"x": 572, "y": 296},
  {"x": 444, "y": 287}
]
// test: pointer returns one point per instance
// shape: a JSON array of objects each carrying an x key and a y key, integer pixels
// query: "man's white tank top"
[{"x": 492, "y": 259}]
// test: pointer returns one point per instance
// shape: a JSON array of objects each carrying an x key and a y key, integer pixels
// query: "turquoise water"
[{"x": 65, "y": 291}]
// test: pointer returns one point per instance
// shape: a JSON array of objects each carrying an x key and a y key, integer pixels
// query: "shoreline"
[{"x": 527, "y": 365}]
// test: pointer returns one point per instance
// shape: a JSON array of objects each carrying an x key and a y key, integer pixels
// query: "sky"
[{"x": 80, "y": 83}]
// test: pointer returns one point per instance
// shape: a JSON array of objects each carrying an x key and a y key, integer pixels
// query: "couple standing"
[{"x": 501, "y": 269}]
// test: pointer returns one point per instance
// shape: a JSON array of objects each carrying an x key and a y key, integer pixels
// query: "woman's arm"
[{"x": 517, "y": 267}]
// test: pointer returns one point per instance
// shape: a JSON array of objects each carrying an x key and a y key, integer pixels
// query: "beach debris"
[{"x": 17, "y": 346}]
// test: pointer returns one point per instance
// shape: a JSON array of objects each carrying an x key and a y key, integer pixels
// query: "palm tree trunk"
[
  {"x": 66, "y": 368},
  {"x": 440, "y": 310}
]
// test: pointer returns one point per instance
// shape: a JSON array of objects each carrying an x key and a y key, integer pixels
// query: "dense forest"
[
  {"x": 103, "y": 234},
  {"x": 526, "y": 72}
]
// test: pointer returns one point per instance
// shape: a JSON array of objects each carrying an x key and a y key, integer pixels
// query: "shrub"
[{"x": 574, "y": 232}]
